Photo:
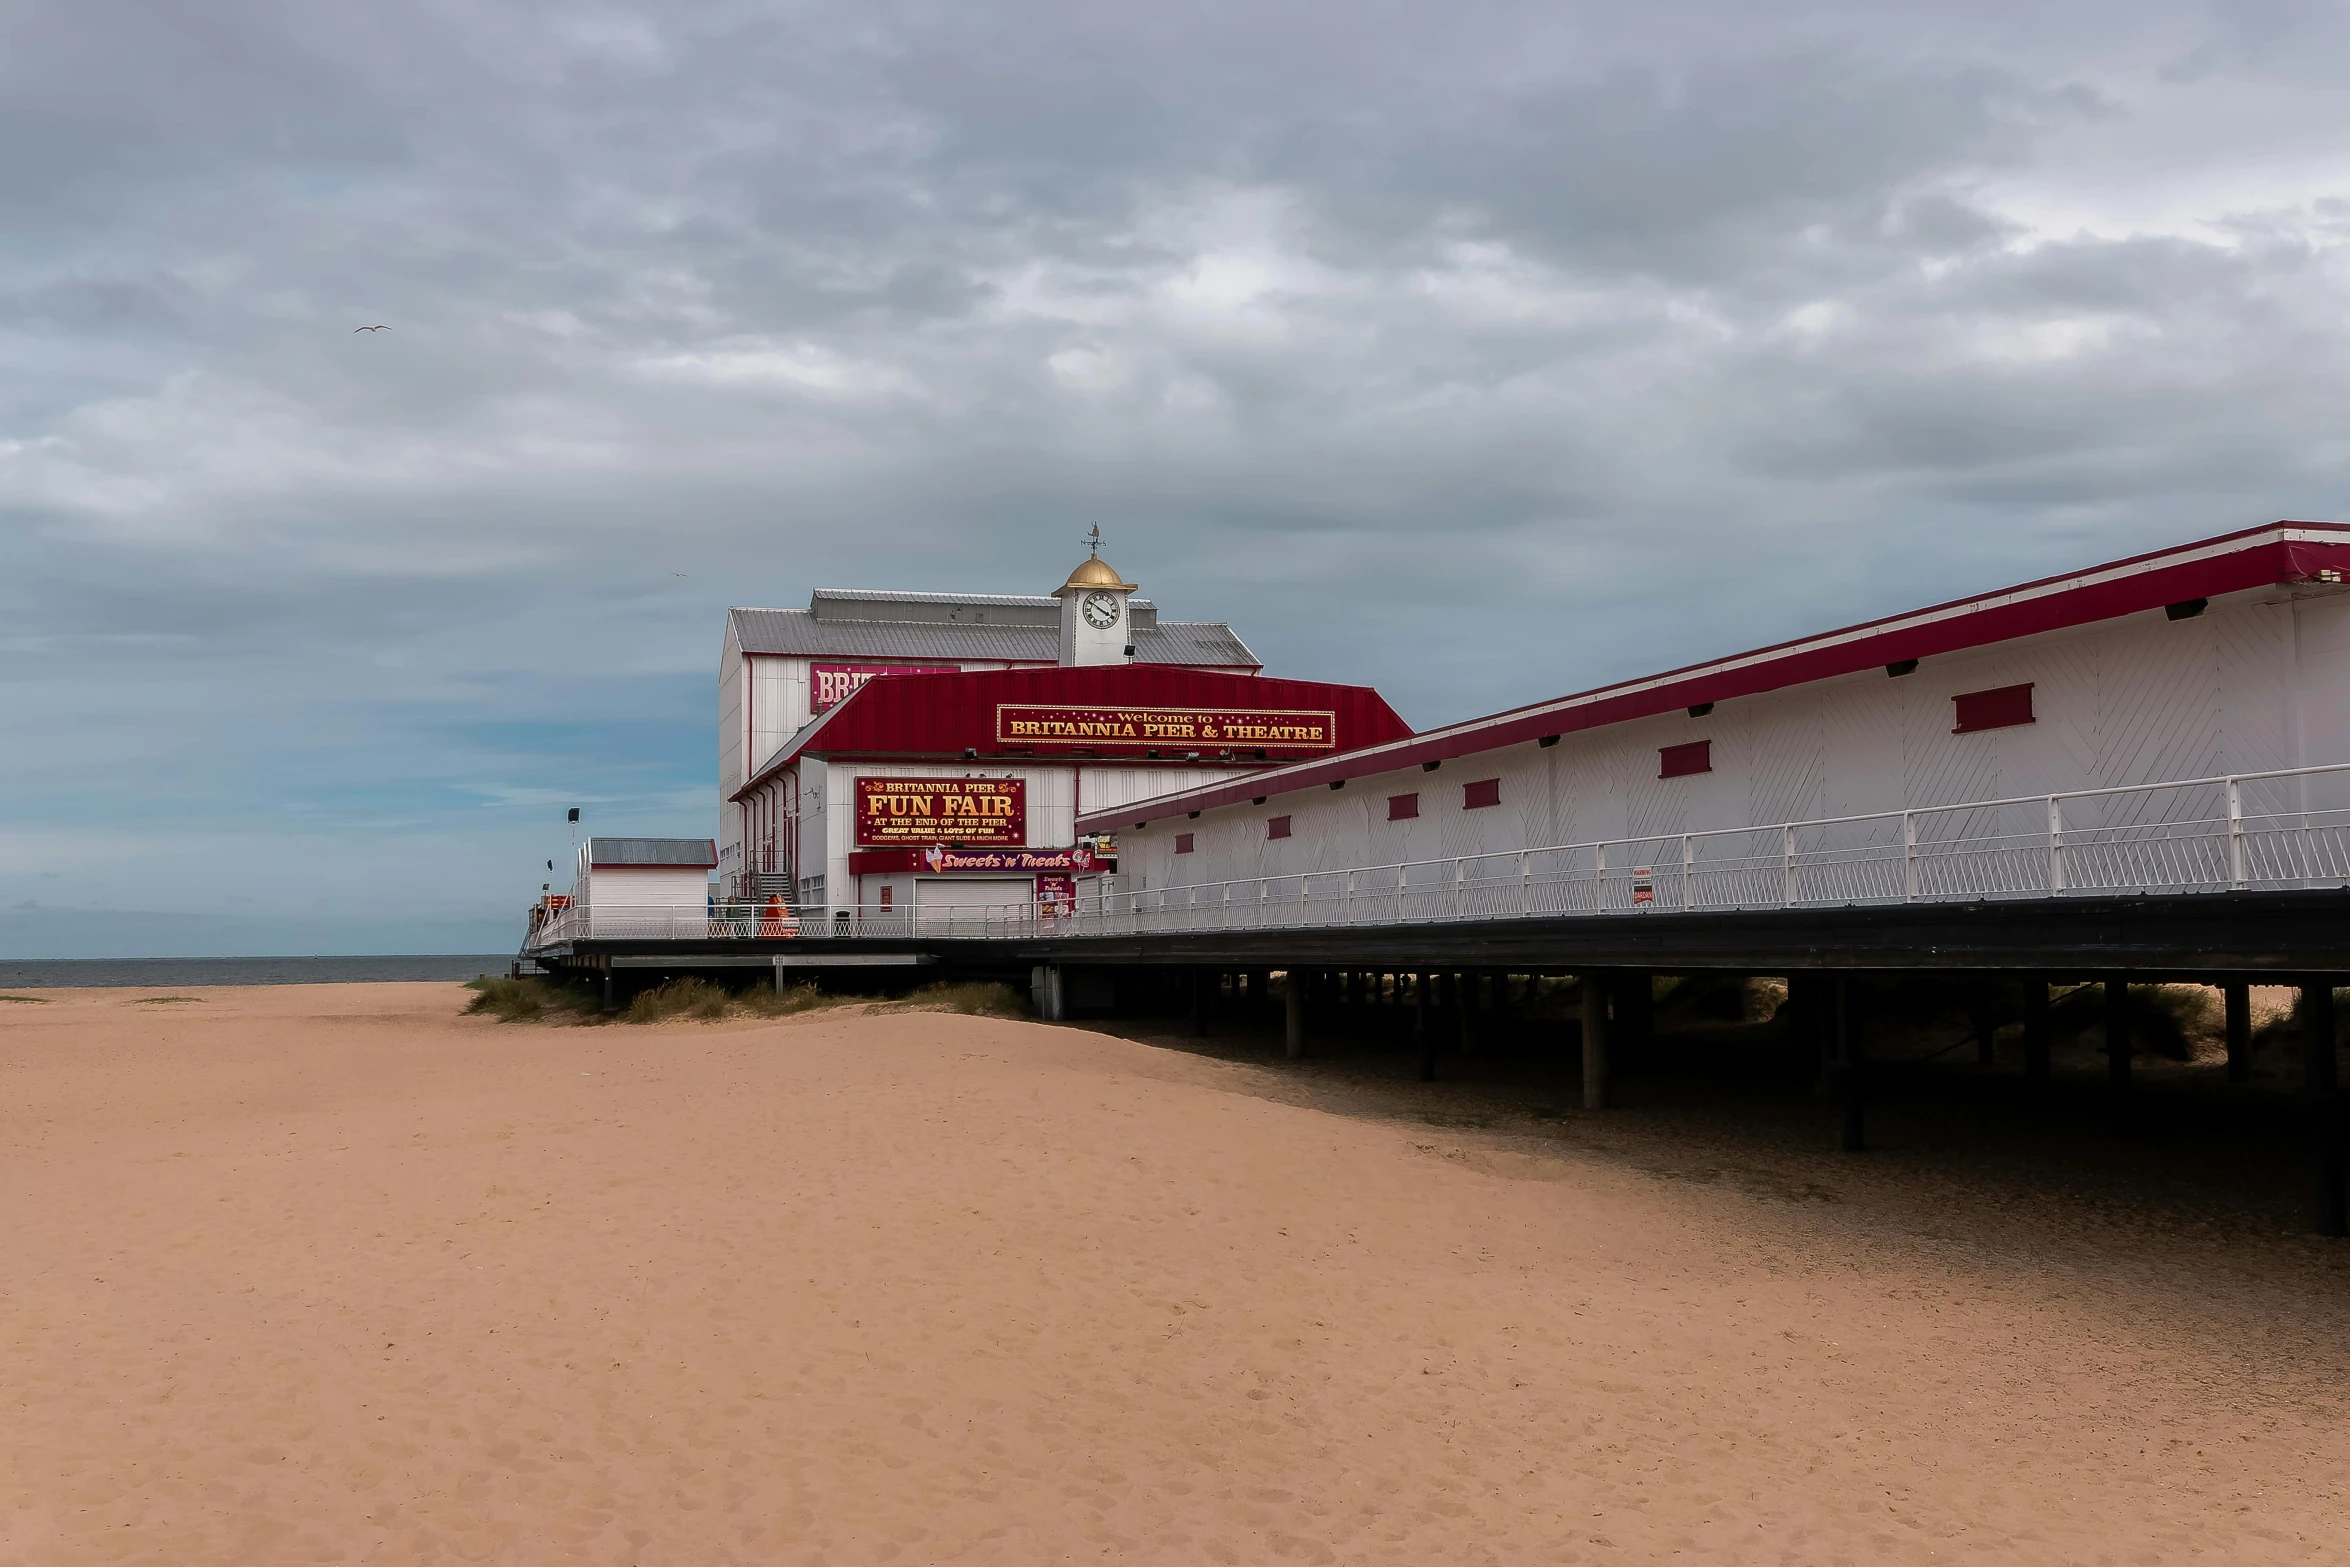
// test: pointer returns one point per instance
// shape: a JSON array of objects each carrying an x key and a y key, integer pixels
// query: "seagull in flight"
[{"x": 370, "y": 329}]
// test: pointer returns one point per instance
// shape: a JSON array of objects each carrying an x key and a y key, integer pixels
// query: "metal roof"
[
  {"x": 687, "y": 853},
  {"x": 2283, "y": 552},
  {"x": 885, "y": 596},
  {"x": 800, "y": 632}
]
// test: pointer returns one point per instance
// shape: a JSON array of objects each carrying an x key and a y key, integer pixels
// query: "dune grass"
[
  {"x": 971, "y": 997},
  {"x": 693, "y": 999},
  {"x": 31, "y": 1001},
  {"x": 157, "y": 1001},
  {"x": 689, "y": 999},
  {"x": 528, "y": 1000},
  {"x": 766, "y": 1001}
]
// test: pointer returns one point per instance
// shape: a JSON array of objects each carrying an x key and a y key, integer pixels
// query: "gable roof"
[
  {"x": 2277, "y": 553},
  {"x": 803, "y": 633},
  {"x": 622, "y": 853}
]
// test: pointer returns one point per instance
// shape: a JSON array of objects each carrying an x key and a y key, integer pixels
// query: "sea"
[{"x": 63, "y": 973}]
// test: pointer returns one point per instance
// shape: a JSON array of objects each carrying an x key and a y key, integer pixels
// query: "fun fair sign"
[
  {"x": 1165, "y": 728},
  {"x": 979, "y": 813}
]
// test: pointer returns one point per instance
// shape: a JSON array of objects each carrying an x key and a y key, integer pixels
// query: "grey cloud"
[{"x": 1479, "y": 352}]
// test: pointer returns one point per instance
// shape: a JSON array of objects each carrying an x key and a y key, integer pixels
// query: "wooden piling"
[
  {"x": 1422, "y": 1035},
  {"x": 2238, "y": 995},
  {"x": 2036, "y": 1030},
  {"x": 2321, "y": 1103},
  {"x": 1594, "y": 1002},
  {"x": 1849, "y": 1066},
  {"x": 2117, "y": 1055}
]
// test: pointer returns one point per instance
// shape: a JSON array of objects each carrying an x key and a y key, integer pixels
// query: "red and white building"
[
  {"x": 2226, "y": 657},
  {"x": 781, "y": 669},
  {"x": 917, "y": 753}
]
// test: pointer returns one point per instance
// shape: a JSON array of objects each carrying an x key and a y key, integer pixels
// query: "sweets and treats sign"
[
  {"x": 1165, "y": 728},
  {"x": 977, "y": 813}
]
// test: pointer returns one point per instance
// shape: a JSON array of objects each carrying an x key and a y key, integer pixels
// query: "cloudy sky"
[{"x": 1478, "y": 351}]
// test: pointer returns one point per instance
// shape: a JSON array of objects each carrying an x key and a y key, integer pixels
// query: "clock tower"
[{"x": 1094, "y": 626}]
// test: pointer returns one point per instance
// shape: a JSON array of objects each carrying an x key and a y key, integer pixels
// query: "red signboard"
[
  {"x": 1681, "y": 761},
  {"x": 974, "y": 812},
  {"x": 938, "y": 860},
  {"x": 1165, "y": 728},
  {"x": 2004, "y": 707},
  {"x": 1056, "y": 897},
  {"x": 829, "y": 684}
]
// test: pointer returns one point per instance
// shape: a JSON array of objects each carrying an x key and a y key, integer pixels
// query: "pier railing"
[{"x": 2278, "y": 830}]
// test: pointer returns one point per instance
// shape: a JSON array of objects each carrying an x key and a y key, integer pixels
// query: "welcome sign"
[
  {"x": 1165, "y": 728},
  {"x": 974, "y": 812}
]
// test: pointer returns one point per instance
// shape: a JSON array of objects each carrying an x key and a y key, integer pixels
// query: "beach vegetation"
[
  {"x": 688, "y": 1000},
  {"x": 37, "y": 1001},
  {"x": 157, "y": 1001},
  {"x": 528, "y": 1000},
  {"x": 971, "y": 997},
  {"x": 765, "y": 1001}
]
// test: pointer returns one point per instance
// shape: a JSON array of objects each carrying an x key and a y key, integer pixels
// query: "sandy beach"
[{"x": 334, "y": 1274}]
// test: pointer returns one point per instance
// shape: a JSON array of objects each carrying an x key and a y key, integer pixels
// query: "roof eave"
[{"x": 1919, "y": 633}]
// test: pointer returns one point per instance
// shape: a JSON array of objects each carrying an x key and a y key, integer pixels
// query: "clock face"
[{"x": 1101, "y": 610}]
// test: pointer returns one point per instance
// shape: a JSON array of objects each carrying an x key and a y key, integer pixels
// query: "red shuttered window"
[
  {"x": 1476, "y": 796},
  {"x": 1183, "y": 843},
  {"x": 1402, "y": 807},
  {"x": 2002, "y": 707},
  {"x": 1277, "y": 827},
  {"x": 1679, "y": 761}
]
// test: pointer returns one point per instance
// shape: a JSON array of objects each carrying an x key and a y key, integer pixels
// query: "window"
[
  {"x": 1183, "y": 843},
  {"x": 1402, "y": 807},
  {"x": 2002, "y": 707},
  {"x": 1476, "y": 796},
  {"x": 1277, "y": 827},
  {"x": 1679, "y": 761}
]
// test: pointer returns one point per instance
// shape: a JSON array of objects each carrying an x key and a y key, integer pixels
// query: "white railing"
[{"x": 2253, "y": 831}]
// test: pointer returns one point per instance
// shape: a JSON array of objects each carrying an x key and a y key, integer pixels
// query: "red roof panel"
[{"x": 945, "y": 715}]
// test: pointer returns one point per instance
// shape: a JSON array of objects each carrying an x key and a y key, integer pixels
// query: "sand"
[{"x": 333, "y": 1274}]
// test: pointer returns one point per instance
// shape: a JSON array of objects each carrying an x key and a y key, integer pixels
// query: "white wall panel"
[
  {"x": 2254, "y": 647},
  {"x": 2132, "y": 702},
  {"x": 1103, "y": 788}
]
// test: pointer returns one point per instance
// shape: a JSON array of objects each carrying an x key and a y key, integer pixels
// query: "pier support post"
[
  {"x": 2036, "y": 1030},
  {"x": 2117, "y": 1055},
  {"x": 1985, "y": 1017},
  {"x": 1422, "y": 1037},
  {"x": 2321, "y": 1102},
  {"x": 1849, "y": 1068},
  {"x": 1501, "y": 998},
  {"x": 1466, "y": 991},
  {"x": 2238, "y": 995},
  {"x": 609, "y": 1004},
  {"x": 1047, "y": 989},
  {"x": 1200, "y": 981},
  {"x": 1594, "y": 1002},
  {"x": 1293, "y": 1006},
  {"x": 1635, "y": 1017}
]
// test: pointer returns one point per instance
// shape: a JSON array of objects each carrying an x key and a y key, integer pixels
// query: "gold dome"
[{"x": 1097, "y": 573}]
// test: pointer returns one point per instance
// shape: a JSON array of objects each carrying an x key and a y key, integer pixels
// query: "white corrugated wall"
[{"x": 2138, "y": 701}]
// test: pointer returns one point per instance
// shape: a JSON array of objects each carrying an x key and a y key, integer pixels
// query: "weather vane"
[{"x": 1094, "y": 539}]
